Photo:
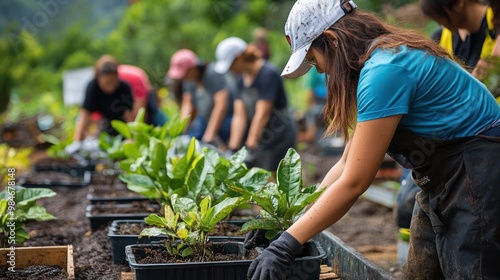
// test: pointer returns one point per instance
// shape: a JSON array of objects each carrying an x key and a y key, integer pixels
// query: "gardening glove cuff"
[
  {"x": 275, "y": 262},
  {"x": 73, "y": 147}
]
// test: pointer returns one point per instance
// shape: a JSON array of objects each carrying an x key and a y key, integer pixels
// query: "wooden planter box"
[{"x": 61, "y": 256}]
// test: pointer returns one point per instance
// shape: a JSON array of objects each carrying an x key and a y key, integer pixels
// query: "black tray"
[
  {"x": 85, "y": 181},
  {"x": 98, "y": 221}
]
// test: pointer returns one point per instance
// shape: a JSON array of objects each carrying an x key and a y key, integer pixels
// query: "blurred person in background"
[
  {"x": 467, "y": 30},
  {"x": 315, "y": 103},
  {"x": 106, "y": 94},
  {"x": 261, "y": 120},
  {"x": 260, "y": 40},
  {"x": 205, "y": 98},
  {"x": 144, "y": 96}
]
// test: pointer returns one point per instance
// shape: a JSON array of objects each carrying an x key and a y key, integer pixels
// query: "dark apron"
[{"x": 455, "y": 229}]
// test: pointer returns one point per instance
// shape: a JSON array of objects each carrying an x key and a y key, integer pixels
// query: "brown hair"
[
  {"x": 348, "y": 49},
  {"x": 107, "y": 64},
  {"x": 252, "y": 53}
]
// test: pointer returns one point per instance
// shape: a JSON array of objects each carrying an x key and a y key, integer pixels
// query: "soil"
[
  {"x": 132, "y": 208},
  {"x": 131, "y": 228},
  {"x": 48, "y": 162},
  {"x": 162, "y": 256},
  {"x": 227, "y": 229},
  {"x": 114, "y": 194},
  {"x": 51, "y": 178},
  {"x": 105, "y": 178},
  {"x": 368, "y": 227},
  {"x": 40, "y": 272}
]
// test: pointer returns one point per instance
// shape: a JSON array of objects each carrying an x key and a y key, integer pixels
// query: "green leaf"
[
  {"x": 21, "y": 235},
  {"x": 255, "y": 179},
  {"x": 197, "y": 178},
  {"x": 289, "y": 174},
  {"x": 177, "y": 127},
  {"x": 140, "y": 115},
  {"x": 121, "y": 128},
  {"x": 171, "y": 218},
  {"x": 139, "y": 128},
  {"x": 24, "y": 196},
  {"x": 187, "y": 252},
  {"x": 212, "y": 157},
  {"x": 182, "y": 233},
  {"x": 137, "y": 180},
  {"x": 159, "y": 158},
  {"x": 239, "y": 157},
  {"x": 155, "y": 220},
  {"x": 265, "y": 202},
  {"x": 271, "y": 234},
  {"x": 3, "y": 206},
  {"x": 220, "y": 211},
  {"x": 183, "y": 204},
  {"x": 38, "y": 213},
  {"x": 153, "y": 231},
  {"x": 238, "y": 188},
  {"x": 205, "y": 204},
  {"x": 266, "y": 224},
  {"x": 131, "y": 150}
]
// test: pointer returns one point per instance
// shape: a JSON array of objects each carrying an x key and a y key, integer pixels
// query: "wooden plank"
[
  {"x": 325, "y": 268},
  {"x": 61, "y": 256},
  {"x": 328, "y": 276},
  {"x": 128, "y": 276}
]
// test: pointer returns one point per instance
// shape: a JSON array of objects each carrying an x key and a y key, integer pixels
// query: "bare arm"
[
  {"x": 238, "y": 125},
  {"x": 221, "y": 98},
  {"x": 138, "y": 104},
  {"x": 263, "y": 111},
  {"x": 187, "y": 106},
  {"x": 336, "y": 171},
  {"x": 367, "y": 149},
  {"x": 81, "y": 125}
]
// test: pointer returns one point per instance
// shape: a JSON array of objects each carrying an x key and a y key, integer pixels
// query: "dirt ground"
[{"x": 368, "y": 227}]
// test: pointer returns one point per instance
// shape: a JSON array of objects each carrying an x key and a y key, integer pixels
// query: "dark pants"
[{"x": 455, "y": 230}]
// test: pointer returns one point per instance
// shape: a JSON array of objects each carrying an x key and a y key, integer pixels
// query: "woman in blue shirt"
[{"x": 402, "y": 94}]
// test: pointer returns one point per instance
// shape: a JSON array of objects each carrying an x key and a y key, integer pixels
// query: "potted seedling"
[
  {"x": 187, "y": 252},
  {"x": 143, "y": 155},
  {"x": 282, "y": 202},
  {"x": 18, "y": 205}
]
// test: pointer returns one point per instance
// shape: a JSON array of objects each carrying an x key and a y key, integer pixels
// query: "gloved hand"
[
  {"x": 251, "y": 157},
  {"x": 73, "y": 147},
  {"x": 275, "y": 261},
  {"x": 256, "y": 238}
]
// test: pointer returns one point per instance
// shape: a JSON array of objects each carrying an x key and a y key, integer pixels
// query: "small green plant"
[
  {"x": 282, "y": 202},
  {"x": 187, "y": 225},
  {"x": 17, "y": 159},
  {"x": 17, "y": 205}
]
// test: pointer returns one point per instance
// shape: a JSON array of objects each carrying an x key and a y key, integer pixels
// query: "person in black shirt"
[{"x": 105, "y": 94}]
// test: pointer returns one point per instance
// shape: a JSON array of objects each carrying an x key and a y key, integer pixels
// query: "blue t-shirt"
[{"x": 436, "y": 97}]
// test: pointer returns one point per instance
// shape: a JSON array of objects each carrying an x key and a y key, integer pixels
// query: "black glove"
[
  {"x": 256, "y": 238},
  {"x": 275, "y": 262}
]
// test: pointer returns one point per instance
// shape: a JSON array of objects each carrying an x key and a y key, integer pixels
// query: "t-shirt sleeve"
[
  {"x": 269, "y": 88},
  {"x": 90, "y": 101},
  {"x": 216, "y": 82},
  {"x": 383, "y": 91}
]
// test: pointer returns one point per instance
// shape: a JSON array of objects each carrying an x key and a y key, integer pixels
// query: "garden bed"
[{"x": 54, "y": 179}]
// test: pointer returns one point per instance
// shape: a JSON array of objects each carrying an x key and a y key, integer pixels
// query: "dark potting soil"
[
  {"x": 48, "y": 162},
  {"x": 39, "y": 272},
  {"x": 227, "y": 229},
  {"x": 136, "y": 207},
  {"x": 104, "y": 179},
  {"x": 131, "y": 228},
  {"x": 51, "y": 178},
  {"x": 162, "y": 256},
  {"x": 115, "y": 193}
]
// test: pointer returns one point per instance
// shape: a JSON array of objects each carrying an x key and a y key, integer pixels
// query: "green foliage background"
[{"x": 145, "y": 34}]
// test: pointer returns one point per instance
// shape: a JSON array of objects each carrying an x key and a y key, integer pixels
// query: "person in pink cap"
[
  {"x": 403, "y": 95},
  {"x": 205, "y": 98},
  {"x": 142, "y": 90}
]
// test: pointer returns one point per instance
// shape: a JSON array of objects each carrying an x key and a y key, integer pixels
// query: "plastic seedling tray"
[
  {"x": 102, "y": 220},
  {"x": 76, "y": 181}
]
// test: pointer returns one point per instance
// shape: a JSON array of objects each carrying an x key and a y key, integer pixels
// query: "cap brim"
[
  {"x": 176, "y": 73},
  {"x": 296, "y": 66},
  {"x": 222, "y": 66}
]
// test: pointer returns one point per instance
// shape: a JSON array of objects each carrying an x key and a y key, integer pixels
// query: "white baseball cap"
[
  {"x": 227, "y": 51},
  {"x": 307, "y": 20}
]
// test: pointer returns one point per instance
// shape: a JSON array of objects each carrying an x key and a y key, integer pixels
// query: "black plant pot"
[
  {"x": 306, "y": 267},
  {"x": 120, "y": 241},
  {"x": 102, "y": 220},
  {"x": 75, "y": 181}
]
